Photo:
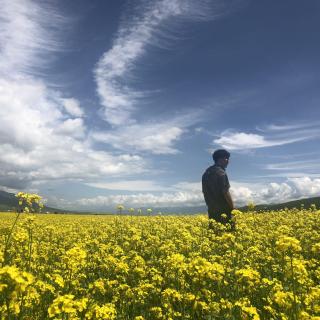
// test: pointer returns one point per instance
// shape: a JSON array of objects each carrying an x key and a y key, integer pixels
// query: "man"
[{"x": 215, "y": 188}]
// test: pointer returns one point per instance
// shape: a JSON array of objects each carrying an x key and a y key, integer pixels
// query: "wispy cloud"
[
  {"x": 306, "y": 165},
  {"x": 155, "y": 138},
  {"x": 129, "y": 185},
  {"x": 269, "y": 136},
  {"x": 145, "y": 27},
  {"x": 242, "y": 140},
  {"x": 150, "y": 23},
  {"x": 25, "y": 42},
  {"x": 289, "y": 126},
  {"x": 152, "y": 137},
  {"x": 149, "y": 186}
]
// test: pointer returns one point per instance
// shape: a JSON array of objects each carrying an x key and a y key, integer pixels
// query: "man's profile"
[{"x": 215, "y": 188}]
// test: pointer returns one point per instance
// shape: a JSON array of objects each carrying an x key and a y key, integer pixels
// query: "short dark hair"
[{"x": 221, "y": 153}]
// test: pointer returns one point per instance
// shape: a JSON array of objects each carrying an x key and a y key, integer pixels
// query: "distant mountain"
[
  {"x": 9, "y": 202},
  {"x": 306, "y": 203},
  {"x": 177, "y": 210}
]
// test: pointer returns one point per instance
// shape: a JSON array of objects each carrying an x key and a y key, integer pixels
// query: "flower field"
[{"x": 160, "y": 267}]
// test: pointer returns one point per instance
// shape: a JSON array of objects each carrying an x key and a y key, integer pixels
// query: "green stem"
[
  {"x": 293, "y": 290},
  {"x": 30, "y": 248},
  {"x": 6, "y": 246}
]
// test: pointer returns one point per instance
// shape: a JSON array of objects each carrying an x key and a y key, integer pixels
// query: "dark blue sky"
[{"x": 124, "y": 101}]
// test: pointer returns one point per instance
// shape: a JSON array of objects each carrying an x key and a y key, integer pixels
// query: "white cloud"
[
  {"x": 189, "y": 194},
  {"x": 151, "y": 136},
  {"x": 72, "y": 106},
  {"x": 117, "y": 70},
  {"x": 129, "y": 185},
  {"x": 113, "y": 72},
  {"x": 72, "y": 127},
  {"x": 175, "y": 199},
  {"x": 188, "y": 186},
  {"x": 306, "y": 186},
  {"x": 275, "y": 192},
  {"x": 289, "y": 126},
  {"x": 116, "y": 97},
  {"x": 41, "y": 135},
  {"x": 241, "y": 140},
  {"x": 157, "y": 138},
  {"x": 305, "y": 165},
  {"x": 148, "y": 186},
  {"x": 269, "y": 136},
  {"x": 25, "y": 42},
  {"x": 26, "y": 114},
  {"x": 242, "y": 193}
]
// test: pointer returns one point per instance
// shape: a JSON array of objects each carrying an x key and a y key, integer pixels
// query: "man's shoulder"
[{"x": 214, "y": 170}]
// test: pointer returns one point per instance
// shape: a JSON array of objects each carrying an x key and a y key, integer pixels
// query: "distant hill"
[
  {"x": 306, "y": 203},
  {"x": 9, "y": 202}
]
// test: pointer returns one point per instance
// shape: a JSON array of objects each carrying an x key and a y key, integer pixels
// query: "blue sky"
[{"x": 108, "y": 102}]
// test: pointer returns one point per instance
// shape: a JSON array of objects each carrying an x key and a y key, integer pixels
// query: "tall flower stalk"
[{"x": 28, "y": 203}]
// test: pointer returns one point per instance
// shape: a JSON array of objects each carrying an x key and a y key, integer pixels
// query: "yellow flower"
[
  {"x": 283, "y": 299},
  {"x": 248, "y": 277},
  {"x": 288, "y": 244},
  {"x": 247, "y": 310},
  {"x": 59, "y": 280},
  {"x": 170, "y": 267},
  {"x": 236, "y": 212},
  {"x": 313, "y": 300},
  {"x": 104, "y": 312},
  {"x": 156, "y": 313}
]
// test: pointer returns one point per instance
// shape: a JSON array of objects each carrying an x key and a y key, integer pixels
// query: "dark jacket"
[{"x": 215, "y": 184}]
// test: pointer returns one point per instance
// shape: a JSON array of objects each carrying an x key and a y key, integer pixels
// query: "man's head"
[{"x": 221, "y": 157}]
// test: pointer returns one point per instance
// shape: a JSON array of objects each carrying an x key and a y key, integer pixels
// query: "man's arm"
[
  {"x": 229, "y": 200},
  {"x": 225, "y": 186}
]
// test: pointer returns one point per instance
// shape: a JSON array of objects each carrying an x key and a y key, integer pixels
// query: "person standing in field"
[{"x": 215, "y": 188}]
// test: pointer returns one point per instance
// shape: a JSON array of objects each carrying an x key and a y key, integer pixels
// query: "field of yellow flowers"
[{"x": 160, "y": 267}]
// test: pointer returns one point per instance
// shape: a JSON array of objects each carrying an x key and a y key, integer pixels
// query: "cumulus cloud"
[
  {"x": 176, "y": 199},
  {"x": 72, "y": 106},
  {"x": 42, "y": 135},
  {"x": 306, "y": 186},
  {"x": 39, "y": 142},
  {"x": 276, "y": 192},
  {"x": 189, "y": 194}
]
